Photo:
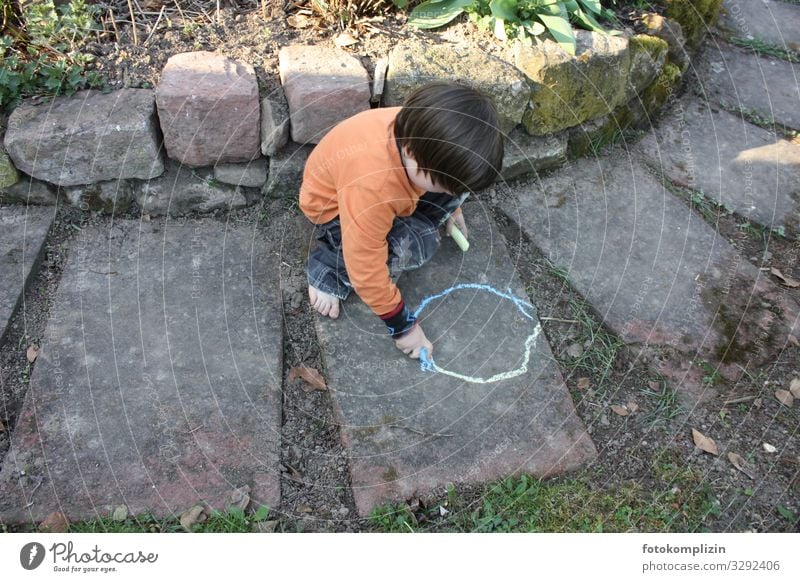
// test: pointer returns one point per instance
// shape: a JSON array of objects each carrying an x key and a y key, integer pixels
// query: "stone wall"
[{"x": 204, "y": 138}]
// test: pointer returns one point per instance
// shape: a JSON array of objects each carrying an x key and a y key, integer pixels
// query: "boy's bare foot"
[{"x": 325, "y": 303}]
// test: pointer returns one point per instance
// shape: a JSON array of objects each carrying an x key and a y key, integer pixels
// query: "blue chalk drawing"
[{"x": 426, "y": 363}]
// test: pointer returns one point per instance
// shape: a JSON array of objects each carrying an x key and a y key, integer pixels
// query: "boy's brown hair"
[{"x": 453, "y": 134}]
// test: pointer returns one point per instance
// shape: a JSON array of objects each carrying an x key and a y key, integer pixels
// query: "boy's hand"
[
  {"x": 411, "y": 343},
  {"x": 457, "y": 219}
]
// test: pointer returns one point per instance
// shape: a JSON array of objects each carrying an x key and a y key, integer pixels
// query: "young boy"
[{"x": 380, "y": 184}]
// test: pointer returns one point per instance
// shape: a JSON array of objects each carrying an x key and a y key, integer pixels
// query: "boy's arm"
[{"x": 366, "y": 220}]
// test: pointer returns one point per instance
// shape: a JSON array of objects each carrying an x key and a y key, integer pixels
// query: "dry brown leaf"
[
  {"x": 120, "y": 513},
  {"x": 738, "y": 462},
  {"x": 620, "y": 410},
  {"x": 794, "y": 387},
  {"x": 758, "y": 402},
  {"x": 784, "y": 397},
  {"x": 632, "y": 407},
  {"x": 583, "y": 383},
  {"x": 192, "y": 516},
  {"x": 304, "y": 509},
  {"x": 785, "y": 279},
  {"x": 655, "y": 386},
  {"x": 56, "y": 522},
  {"x": 32, "y": 353},
  {"x": 344, "y": 39},
  {"x": 704, "y": 443},
  {"x": 794, "y": 341},
  {"x": 310, "y": 375},
  {"x": 298, "y": 21},
  {"x": 239, "y": 497}
]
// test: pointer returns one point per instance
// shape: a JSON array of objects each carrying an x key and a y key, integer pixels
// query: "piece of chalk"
[{"x": 459, "y": 238}]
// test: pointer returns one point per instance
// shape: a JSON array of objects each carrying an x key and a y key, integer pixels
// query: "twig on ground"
[
  {"x": 133, "y": 24},
  {"x": 114, "y": 23},
  {"x": 420, "y": 432},
  {"x": 559, "y": 320},
  {"x": 738, "y": 400},
  {"x": 152, "y": 30}
]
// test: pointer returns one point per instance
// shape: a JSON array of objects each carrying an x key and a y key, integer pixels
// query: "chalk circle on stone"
[{"x": 427, "y": 364}]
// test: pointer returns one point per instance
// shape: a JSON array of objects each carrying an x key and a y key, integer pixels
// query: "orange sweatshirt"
[{"x": 356, "y": 173}]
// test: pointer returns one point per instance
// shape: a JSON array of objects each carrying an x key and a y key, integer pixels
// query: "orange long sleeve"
[{"x": 356, "y": 173}]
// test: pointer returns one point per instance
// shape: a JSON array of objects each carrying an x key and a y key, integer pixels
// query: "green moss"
[
  {"x": 666, "y": 84},
  {"x": 694, "y": 16},
  {"x": 568, "y": 91},
  {"x": 652, "y": 45},
  {"x": 8, "y": 173}
]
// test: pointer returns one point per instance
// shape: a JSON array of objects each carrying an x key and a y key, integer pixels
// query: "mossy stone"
[
  {"x": 414, "y": 63},
  {"x": 567, "y": 90},
  {"x": 648, "y": 55},
  {"x": 8, "y": 173},
  {"x": 694, "y": 16}
]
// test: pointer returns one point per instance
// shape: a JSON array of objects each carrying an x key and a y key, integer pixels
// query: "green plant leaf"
[
  {"x": 500, "y": 29},
  {"x": 559, "y": 27},
  {"x": 433, "y": 14},
  {"x": 587, "y": 20},
  {"x": 261, "y": 513},
  {"x": 592, "y": 6},
  {"x": 533, "y": 28},
  {"x": 504, "y": 9},
  {"x": 400, "y": 3}
]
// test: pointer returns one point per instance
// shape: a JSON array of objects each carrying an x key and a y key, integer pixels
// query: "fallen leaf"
[
  {"x": 620, "y": 410},
  {"x": 794, "y": 341},
  {"x": 56, "y": 522},
  {"x": 146, "y": 217},
  {"x": 267, "y": 526},
  {"x": 794, "y": 387},
  {"x": 310, "y": 375},
  {"x": 344, "y": 39},
  {"x": 239, "y": 497},
  {"x": 769, "y": 448},
  {"x": 784, "y": 397},
  {"x": 655, "y": 386},
  {"x": 304, "y": 509},
  {"x": 738, "y": 462},
  {"x": 298, "y": 21},
  {"x": 575, "y": 350},
  {"x": 632, "y": 407},
  {"x": 120, "y": 513},
  {"x": 758, "y": 402},
  {"x": 583, "y": 383},
  {"x": 704, "y": 443},
  {"x": 785, "y": 279},
  {"x": 32, "y": 353},
  {"x": 192, "y": 516}
]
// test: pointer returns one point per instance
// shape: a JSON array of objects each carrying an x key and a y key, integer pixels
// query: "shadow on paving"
[{"x": 657, "y": 274}]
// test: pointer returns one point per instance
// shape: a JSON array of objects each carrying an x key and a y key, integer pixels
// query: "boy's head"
[{"x": 452, "y": 134}]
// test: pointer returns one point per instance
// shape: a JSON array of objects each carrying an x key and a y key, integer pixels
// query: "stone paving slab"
[
  {"x": 22, "y": 234},
  {"x": 158, "y": 384},
  {"x": 409, "y": 432},
  {"x": 656, "y": 273},
  {"x": 774, "y": 21},
  {"x": 767, "y": 86},
  {"x": 738, "y": 165}
]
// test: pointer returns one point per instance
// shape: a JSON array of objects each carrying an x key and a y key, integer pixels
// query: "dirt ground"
[{"x": 315, "y": 484}]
